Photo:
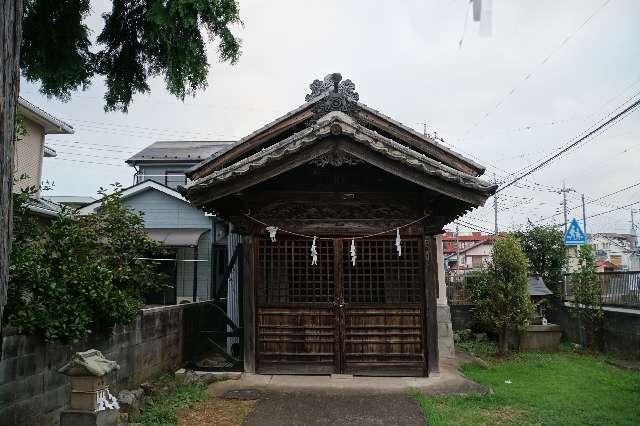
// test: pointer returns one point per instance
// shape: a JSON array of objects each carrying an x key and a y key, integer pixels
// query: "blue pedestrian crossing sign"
[{"x": 574, "y": 236}]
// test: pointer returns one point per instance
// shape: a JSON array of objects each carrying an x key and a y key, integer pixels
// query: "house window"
[
  {"x": 477, "y": 262},
  {"x": 173, "y": 179}
]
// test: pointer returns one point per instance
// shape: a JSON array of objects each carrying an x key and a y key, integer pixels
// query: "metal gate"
[{"x": 334, "y": 317}]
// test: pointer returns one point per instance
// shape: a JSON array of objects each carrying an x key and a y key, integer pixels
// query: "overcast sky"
[{"x": 406, "y": 61}]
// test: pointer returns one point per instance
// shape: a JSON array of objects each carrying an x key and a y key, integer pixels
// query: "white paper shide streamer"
[
  {"x": 314, "y": 252},
  {"x": 106, "y": 401},
  {"x": 272, "y": 232},
  {"x": 398, "y": 241},
  {"x": 354, "y": 255}
]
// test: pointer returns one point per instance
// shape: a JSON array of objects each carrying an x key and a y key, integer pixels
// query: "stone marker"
[{"x": 91, "y": 402}]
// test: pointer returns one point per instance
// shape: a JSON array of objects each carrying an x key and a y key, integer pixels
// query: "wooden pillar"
[
  {"x": 248, "y": 305},
  {"x": 431, "y": 317}
]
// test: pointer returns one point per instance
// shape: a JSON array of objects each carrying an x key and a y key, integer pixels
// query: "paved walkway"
[
  {"x": 341, "y": 400},
  {"x": 335, "y": 407}
]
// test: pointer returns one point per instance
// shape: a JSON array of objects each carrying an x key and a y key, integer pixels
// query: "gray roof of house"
[
  {"x": 70, "y": 199},
  {"x": 51, "y": 124},
  {"x": 178, "y": 151},
  {"x": 44, "y": 207}
]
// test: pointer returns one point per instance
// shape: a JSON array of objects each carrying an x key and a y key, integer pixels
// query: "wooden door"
[
  {"x": 335, "y": 317},
  {"x": 296, "y": 327},
  {"x": 383, "y": 309}
]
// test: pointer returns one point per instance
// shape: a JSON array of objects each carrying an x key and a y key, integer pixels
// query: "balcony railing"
[{"x": 620, "y": 289}]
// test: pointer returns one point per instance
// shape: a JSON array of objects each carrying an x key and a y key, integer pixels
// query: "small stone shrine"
[{"x": 91, "y": 402}]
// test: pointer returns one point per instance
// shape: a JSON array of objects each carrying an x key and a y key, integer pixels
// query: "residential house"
[
  {"x": 196, "y": 241},
  {"x": 472, "y": 258},
  {"x": 30, "y": 149},
  {"x": 620, "y": 250},
  {"x": 453, "y": 243}
]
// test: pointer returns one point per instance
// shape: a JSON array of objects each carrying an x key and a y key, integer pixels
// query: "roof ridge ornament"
[
  {"x": 333, "y": 81},
  {"x": 335, "y": 95}
]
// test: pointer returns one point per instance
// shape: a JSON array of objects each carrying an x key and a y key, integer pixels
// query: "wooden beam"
[
  {"x": 409, "y": 173},
  {"x": 420, "y": 144},
  {"x": 240, "y": 183},
  {"x": 431, "y": 317},
  {"x": 248, "y": 305},
  {"x": 249, "y": 144}
]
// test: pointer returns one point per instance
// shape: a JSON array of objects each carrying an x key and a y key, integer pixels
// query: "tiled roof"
[{"x": 358, "y": 133}]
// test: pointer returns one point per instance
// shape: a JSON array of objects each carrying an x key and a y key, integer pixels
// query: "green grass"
[
  {"x": 160, "y": 409},
  {"x": 564, "y": 388}
]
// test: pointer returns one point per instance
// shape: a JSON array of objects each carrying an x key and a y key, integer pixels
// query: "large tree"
[
  {"x": 545, "y": 249},
  {"x": 48, "y": 41}
]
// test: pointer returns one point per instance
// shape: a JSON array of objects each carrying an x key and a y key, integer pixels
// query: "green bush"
[{"x": 79, "y": 274}]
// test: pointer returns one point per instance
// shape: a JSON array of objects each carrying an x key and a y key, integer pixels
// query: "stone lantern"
[{"x": 91, "y": 402}]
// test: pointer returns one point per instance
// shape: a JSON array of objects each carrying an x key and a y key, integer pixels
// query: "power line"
[
  {"x": 596, "y": 199},
  {"x": 621, "y": 106},
  {"x": 572, "y": 145},
  {"x": 88, "y": 162},
  {"x": 530, "y": 74}
]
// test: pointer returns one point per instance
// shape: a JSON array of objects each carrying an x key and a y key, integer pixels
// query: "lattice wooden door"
[{"x": 335, "y": 317}]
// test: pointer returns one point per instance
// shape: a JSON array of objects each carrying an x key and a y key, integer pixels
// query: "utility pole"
[
  {"x": 495, "y": 209},
  {"x": 457, "y": 250},
  {"x": 564, "y": 191},
  {"x": 633, "y": 227},
  {"x": 584, "y": 218}
]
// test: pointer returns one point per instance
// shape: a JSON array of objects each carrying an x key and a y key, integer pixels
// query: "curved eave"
[{"x": 363, "y": 137}]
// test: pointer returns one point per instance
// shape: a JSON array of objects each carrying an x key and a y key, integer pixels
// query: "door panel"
[{"x": 296, "y": 340}]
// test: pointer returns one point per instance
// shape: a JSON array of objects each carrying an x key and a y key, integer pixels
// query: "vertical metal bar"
[
  {"x": 213, "y": 260},
  {"x": 195, "y": 272}
]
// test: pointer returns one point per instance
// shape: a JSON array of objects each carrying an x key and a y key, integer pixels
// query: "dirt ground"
[{"x": 216, "y": 411}]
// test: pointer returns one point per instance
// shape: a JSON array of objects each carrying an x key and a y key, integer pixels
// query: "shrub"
[
  {"x": 500, "y": 297},
  {"x": 79, "y": 274},
  {"x": 587, "y": 303}
]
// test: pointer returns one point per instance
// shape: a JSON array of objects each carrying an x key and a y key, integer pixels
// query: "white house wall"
[
  {"x": 164, "y": 211},
  {"x": 184, "y": 270}
]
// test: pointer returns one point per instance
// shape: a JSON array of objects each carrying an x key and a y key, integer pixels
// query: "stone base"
[
  {"x": 89, "y": 418},
  {"x": 445, "y": 332},
  {"x": 541, "y": 338}
]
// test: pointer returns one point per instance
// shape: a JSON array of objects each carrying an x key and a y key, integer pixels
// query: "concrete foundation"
[{"x": 445, "y": 333}]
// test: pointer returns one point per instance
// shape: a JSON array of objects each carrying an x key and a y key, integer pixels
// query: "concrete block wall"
[
  {"x": 32, "y": 392},
  {"x": 620, "y": 332}
]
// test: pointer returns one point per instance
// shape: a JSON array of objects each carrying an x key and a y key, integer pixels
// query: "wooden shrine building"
[{"x": 360, "y": 297}]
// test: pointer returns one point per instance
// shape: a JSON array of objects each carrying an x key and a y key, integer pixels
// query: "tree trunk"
[
  {"x": 503, "y": 341},
  {"x": 11, "y": 33}
]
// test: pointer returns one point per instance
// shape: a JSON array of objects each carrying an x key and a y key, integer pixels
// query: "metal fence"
[
  {"x": 621, "y": 289},
  {"x": 459, "y": 288}
]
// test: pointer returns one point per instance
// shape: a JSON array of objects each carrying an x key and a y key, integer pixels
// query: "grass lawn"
[
  {"x": 161, "y": 409},
  {"x": 561, "y": 389}
]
